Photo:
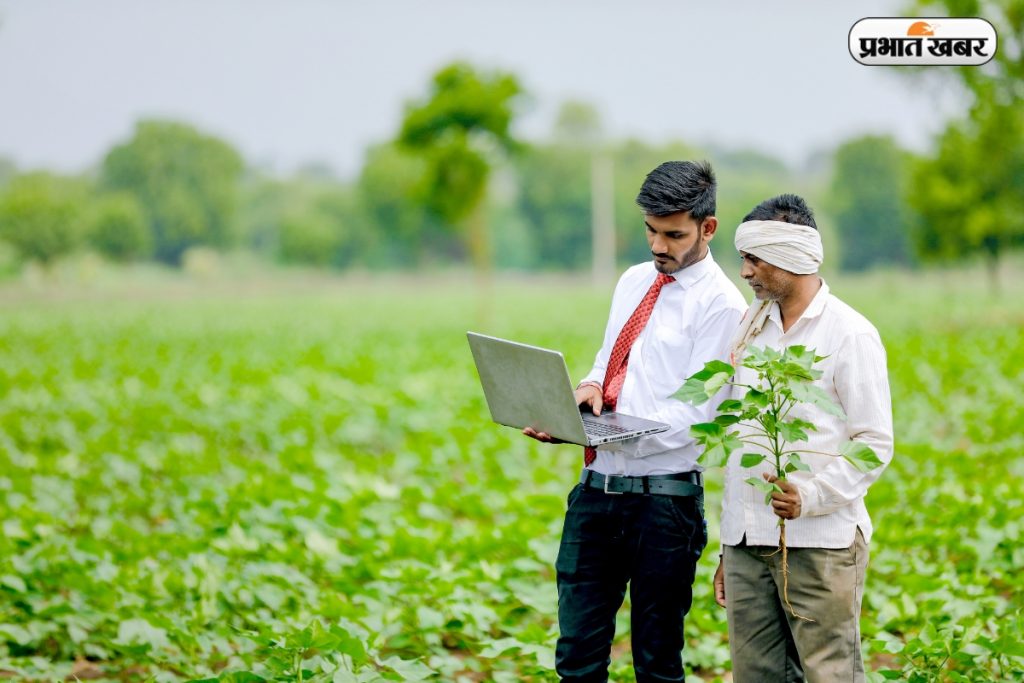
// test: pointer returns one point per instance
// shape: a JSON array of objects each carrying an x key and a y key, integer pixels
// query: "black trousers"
[{"x": 652, "y": 543}]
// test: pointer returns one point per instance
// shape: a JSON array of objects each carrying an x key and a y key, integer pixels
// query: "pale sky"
[{"x": 299, "y": 81}]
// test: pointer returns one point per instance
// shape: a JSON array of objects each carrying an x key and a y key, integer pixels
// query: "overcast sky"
[{"x": 299, "y": 81}]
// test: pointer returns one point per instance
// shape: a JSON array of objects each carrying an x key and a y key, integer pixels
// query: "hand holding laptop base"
[{"x": 589, "y": 394}]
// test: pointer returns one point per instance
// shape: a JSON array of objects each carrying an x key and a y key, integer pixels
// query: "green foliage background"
[{"x": 226, "y": 481}]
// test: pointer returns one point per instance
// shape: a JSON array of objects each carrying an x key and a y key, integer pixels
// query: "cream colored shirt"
[
  {"x": 832, "y": 493},
  {"x": 692, "y": 322}
]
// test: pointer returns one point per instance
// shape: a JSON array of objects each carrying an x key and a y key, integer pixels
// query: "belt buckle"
[{"x": 608, "y": 478}]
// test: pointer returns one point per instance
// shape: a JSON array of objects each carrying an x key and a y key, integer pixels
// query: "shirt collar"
[
  {"x": 813, "y": 310},
  {"x": 691, "y": 274}
]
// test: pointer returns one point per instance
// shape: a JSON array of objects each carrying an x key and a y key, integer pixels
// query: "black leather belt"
[{"x": 680, "y": 484}]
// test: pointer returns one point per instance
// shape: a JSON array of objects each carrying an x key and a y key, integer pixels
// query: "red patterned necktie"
[{"x": 615, "y": 373}]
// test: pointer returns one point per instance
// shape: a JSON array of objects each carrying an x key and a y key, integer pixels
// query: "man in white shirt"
[
  {"x": 637, "y": 515},
  {"x": 827, "y": 524}
]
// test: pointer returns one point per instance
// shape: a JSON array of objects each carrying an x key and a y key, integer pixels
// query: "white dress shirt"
[
  {"x": 832, "y": 493},
  {"x": 692, "y": 322}
]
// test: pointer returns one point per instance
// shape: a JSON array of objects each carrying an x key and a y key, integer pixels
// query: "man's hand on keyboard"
[{"x": 591, "y": 395}]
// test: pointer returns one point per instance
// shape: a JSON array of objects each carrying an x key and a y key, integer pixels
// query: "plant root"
[{"x": 785, "y": 572}]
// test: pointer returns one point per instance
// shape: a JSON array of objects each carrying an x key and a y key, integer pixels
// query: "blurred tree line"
[{"x": 455, "y": 186}]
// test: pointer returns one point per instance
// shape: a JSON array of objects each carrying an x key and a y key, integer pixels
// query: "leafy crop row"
[{"x": 308, "y": 486}]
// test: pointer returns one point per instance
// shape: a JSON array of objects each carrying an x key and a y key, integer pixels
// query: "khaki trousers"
[{"x": 767, "y": 642}]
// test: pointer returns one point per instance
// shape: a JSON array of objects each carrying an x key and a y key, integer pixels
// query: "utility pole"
[{"x": 602, "y": 217}]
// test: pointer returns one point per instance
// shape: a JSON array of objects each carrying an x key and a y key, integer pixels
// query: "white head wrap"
[{"x": 794, "y": 248}]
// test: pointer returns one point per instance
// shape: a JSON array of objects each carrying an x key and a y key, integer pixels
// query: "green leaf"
[
  {"x": 752, "y": 459},
  {"x": 16, "y": 634},
  {"x": 730, "y": 405},
  {"x": 797, "y": 372},
  {"x": 141, "y": 632},
  {"x": 860, "y": 455},
  {"x": 805, "y": 392},
  {"x": 800, "y": 354},
  {"x": 792, "y": 431},
  {"x": 715, "y": 384},
  {"x": 705, "y": 383},
  {"x": 409, "y": 669},
  {"x": 727, "y": 420},
  {"x": 703, "y": 431},
  {"x": 756, "y": 398},
  {"x": 235, "y": 677},
  {"x": 315, "y": 637},
  {"x": 761, "y": 485},
  {"x": 15, "y": 583},
  {"x": 757, "y": 357},
  {"x": 692, "y": 391},
  {"x": 797, "y": 463},
  {"x": 718, "y": 444},
  {"x": 716, "y": 367}
]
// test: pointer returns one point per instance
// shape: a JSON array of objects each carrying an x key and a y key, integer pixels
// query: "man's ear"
[{"x": 708, "y": 227}]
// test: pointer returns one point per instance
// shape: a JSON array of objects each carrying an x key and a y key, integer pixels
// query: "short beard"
[{"x": 689, "y": 258}]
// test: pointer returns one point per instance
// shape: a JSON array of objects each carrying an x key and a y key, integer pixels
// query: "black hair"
[
  {"x": 679, "y": 186},
  {"x": 786, "y": 208}
]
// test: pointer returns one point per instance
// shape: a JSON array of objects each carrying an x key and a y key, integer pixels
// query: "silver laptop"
[{"x": 527, "y": 386}]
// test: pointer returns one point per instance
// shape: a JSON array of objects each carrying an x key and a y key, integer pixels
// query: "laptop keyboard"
[{"x": 594, "y": 428}]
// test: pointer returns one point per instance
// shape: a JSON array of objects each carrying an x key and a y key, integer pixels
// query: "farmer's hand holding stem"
[
  {"x": 720, "y": 584},
  {"x": 786, "y": 504}
]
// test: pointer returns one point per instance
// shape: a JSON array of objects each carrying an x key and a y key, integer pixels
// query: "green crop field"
[{"x": 302, "y": 483}]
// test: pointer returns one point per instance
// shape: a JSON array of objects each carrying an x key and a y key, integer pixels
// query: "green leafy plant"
[
  {"x": 227, "y": 471},
  {"x": 784, "y": 379}
]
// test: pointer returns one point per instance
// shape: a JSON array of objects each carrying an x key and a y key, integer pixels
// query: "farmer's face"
[
  {"x": 677, "y": 240},
  {"x": 767, "y": 281}
]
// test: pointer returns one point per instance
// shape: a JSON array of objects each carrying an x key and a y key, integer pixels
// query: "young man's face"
[
  {"x": 678, "y": 241},
  {"x": 767, "y": 281}
]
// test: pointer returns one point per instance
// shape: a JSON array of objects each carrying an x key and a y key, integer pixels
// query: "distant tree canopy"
[
  {"x": 7, "y": 171},
  {"x": 117, "y": 228},
  {"x": 428, "y": 197},
  {"x": 458, "y": 129},
  {"x": 40, "y": 216},
  {"x": 185, "y": 181},
  {"x": 309, "y": 219},
  {"x": 554, "y": 199},
  {"x": 969, "y": 191},
  {"x": 867, "y": 201}
]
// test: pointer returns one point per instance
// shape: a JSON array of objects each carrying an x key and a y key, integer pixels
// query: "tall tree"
[
  {"x": 187, "y": 183},
  {"x": 407, "y": 230},
  {"x": 968, "y": 193},
  {"x": 867, "y": 202},
  {"x": 459, "y": 129}
]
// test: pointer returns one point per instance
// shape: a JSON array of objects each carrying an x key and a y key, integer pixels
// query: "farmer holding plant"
[
  {"x": 637, "y": 515},
  {"x": 800, "y": 624}
]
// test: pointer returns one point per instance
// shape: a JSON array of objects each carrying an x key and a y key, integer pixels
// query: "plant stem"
[{"x": 778, "y": 404}]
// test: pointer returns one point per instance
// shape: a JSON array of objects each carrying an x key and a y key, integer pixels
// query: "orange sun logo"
[{"x": 921, "y": 28}]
